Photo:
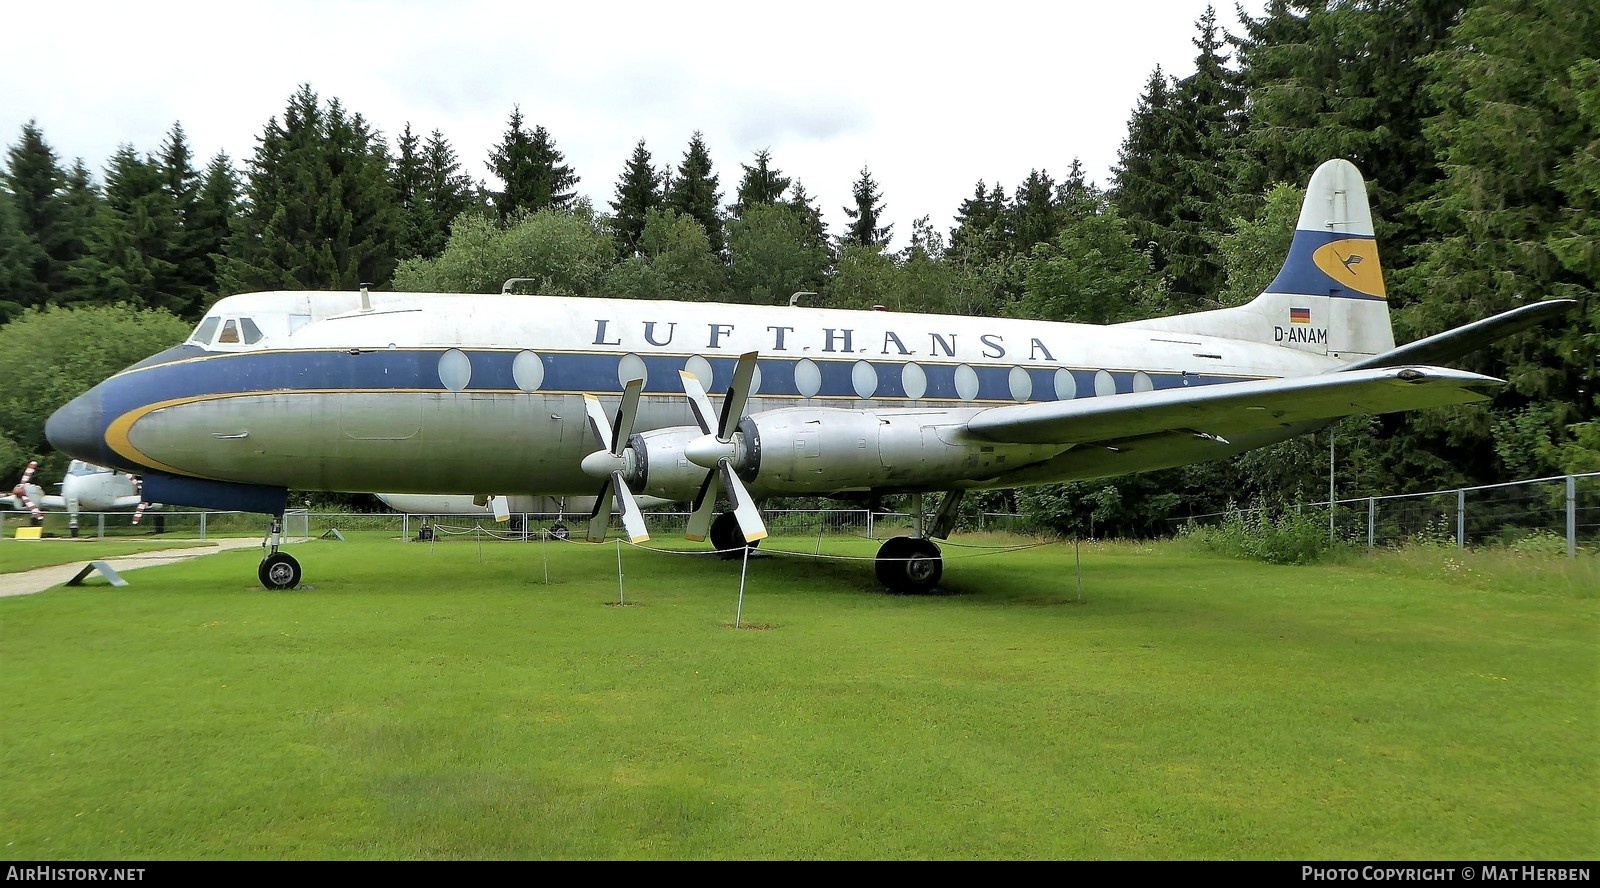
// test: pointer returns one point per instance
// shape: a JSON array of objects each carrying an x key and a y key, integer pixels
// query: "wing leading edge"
[{"x": 1225, "y": 410}]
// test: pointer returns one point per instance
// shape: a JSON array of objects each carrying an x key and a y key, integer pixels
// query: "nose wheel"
[
  {"x": 909, "y": 565},
  {"x": 279, "y": 570}
]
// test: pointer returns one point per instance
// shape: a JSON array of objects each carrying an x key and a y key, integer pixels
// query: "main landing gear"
[
  {"x": 726, "y": 537},
  {"x": 913, "y": 565},
  {"x": 279, "y": 570}
]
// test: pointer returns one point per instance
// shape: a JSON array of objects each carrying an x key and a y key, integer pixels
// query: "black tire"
[
  {"x": 559, "y": 531},
  {"x": 727, "y": 538},
  {"x": 279, "y": 571},
  {"x": 909, "y": 565}
]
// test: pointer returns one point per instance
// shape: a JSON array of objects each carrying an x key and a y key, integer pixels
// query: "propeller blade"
[
  {"x": 597, "y": 421},
  {"x": 626, "y": 412},
  {"x": 705, "y": 507},
  {"x": 27, "y": 474},
  {"x": 738, "y": 395},
  {"x": 744, "y": 506},
  {"x": 699, "y": 404},
  {"x": 600, "y": 517},
  {"x": 632, "y": 519}
]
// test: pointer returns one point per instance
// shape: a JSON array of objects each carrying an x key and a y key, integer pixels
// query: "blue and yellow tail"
[{"x": 1329, "y": 297}]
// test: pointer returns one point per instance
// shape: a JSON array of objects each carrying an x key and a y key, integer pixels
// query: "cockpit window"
[
  {"x": 252, "y": 333},
  {"x": 230, "y": 333},
  {"x": 204, "y": 332}
]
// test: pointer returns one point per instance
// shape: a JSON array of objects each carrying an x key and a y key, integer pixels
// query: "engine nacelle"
[
  {"x": 821, "y": 450},
  {"x": 816, "y": 450},
  {"x": 659, "y": 466}
]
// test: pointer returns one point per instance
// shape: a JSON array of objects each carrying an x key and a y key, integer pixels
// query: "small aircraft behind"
[
  {"x": 443, "y": 393},
  {"x": 85, "y": 488}
]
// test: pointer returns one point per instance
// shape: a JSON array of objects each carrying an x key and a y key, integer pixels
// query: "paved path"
[{"x": 39, "y": 579}]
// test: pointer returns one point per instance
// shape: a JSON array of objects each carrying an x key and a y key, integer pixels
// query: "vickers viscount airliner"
[{"x": 512, "y": 394}]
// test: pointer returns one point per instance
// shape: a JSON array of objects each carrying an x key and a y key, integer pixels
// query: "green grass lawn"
[{"x": 443, "y": 701}]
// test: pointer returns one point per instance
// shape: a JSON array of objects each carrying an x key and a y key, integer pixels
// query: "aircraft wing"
[
  {"x": 1232, "y": 408},
  {"x": 46, "y": 502}
]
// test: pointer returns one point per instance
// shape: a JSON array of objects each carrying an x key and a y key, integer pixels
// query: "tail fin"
[{"x": 1329, "y": 297}]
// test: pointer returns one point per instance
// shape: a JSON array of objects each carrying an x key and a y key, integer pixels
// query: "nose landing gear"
[{"x": 278, "y": 570}]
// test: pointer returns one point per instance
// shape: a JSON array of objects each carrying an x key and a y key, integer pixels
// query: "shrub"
[{"x": 1287, "y": 537}]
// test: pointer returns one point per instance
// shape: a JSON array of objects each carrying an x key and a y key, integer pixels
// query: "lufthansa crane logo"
[{"x": 1353, "y": 263}]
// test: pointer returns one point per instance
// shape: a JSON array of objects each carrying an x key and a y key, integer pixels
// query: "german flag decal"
[{"x": 1299, "y": 315}]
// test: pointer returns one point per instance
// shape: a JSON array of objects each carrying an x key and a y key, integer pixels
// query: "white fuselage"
[{"x": 449, "y": 393}]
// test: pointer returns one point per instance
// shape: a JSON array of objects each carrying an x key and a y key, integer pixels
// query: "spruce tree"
[
  {"x": 446, "y": 193},
  {"x": 45, "y": 215},
  {"x": 1036, "y": 217},
  {"x": 532, "y": 172},
  {"x": 638, "y": 191},
  {"x": 134, "y": 238},
  {"x": 191, "y": 246},
  {"x": 320, "y": 209},
  {"x": 216, "y": 208},
  {"x": 761, "y": 184},
  {"x": 693, "y": 192},
  {"x": 1517, "y": 123},
  {"x": 864, "y": 217}
]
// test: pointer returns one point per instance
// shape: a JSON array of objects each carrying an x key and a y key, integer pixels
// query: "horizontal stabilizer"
[
  {"x": 1445, "y": 347},
  {"x": 1228, "y": 409}
]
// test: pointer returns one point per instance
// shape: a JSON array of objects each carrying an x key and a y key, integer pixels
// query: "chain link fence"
[{"x": 1558, "y": 513}]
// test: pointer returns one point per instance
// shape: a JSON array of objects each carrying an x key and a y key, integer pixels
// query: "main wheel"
[
  {"x": 909, "y": 565},
  {"x": 559, "y": 531},
  {"x": 727, "y": 538},
  {"x": 279, "y": 571}
]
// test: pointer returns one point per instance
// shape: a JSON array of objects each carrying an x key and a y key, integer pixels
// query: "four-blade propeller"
[
  {"x": 610, "y": 461},
  {"x": 720, "y": 451}
]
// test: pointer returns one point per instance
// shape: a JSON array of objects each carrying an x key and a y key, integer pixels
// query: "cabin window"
[
  {"x": 914, "y": 380},
  {"x": 204, "y": 332},
  {"x": 966, "y": 382},
  {"x": 1104, "y": 383},
  {"x": 632, "y": 367},
  {"x": 864, "y": 379},
  {"x": 700, "y": 368},
  {"x": 455, "y": 369},
  {"x": 807, "y": 378},
  {"x": 1021, "y": 385},
  {"x": 1142, "y": 382},
  {"x": 1066, "y": 385},
  {"x": 527, "y": 370}
]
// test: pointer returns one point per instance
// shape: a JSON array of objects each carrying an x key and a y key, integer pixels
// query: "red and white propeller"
[{"x": 22, "y": 494}]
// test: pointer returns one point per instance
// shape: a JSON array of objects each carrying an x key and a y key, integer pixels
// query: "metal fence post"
[
  {"x": 1572, "y": 517},
  {"x": 1372, "y": 519},
  {"x": 1461, "y": 519},
  {"x": 202, "y": 525}
]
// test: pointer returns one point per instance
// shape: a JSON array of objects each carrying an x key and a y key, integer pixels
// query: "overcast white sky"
[{"x": 931, "y": 97}]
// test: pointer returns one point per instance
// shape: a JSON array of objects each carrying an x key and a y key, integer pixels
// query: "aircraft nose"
[{"x": 78, "y": 429}]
